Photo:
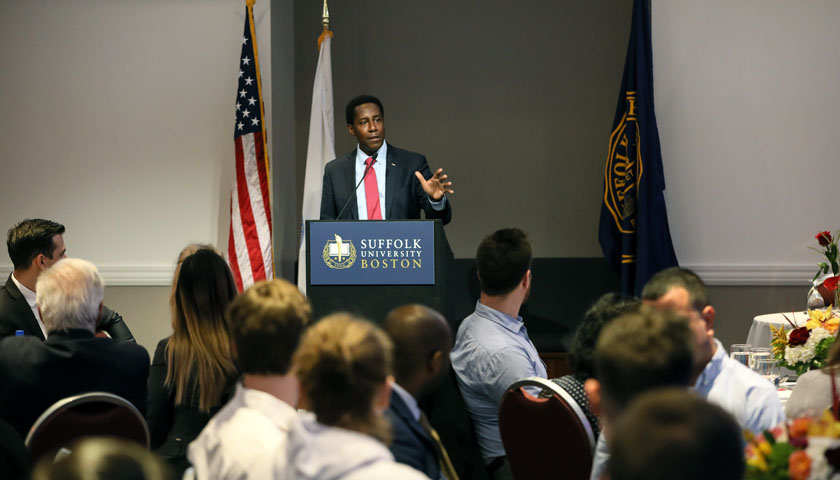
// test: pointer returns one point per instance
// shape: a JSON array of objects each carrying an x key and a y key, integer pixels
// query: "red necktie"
[{"x": 372, "y": 192}]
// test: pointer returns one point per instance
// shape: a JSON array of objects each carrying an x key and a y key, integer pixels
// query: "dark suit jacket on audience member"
[
  {"x": 15, "y": 314},
  {"x": 34, "y": 374},
  {"x": 172, "y": 427},
  {"x": 411, "y": 444},
  {"x": 404, "y": 197}
]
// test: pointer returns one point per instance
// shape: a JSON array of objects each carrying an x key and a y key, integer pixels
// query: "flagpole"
[{"x": 325, "y": 22}]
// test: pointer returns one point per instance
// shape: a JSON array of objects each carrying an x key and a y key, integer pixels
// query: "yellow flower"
[
  {"x": 758, "y": 462},
  {"x": 832, "y": 324}
]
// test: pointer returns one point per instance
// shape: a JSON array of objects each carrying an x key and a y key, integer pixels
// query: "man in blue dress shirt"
[{"x": 492, "y": 349}]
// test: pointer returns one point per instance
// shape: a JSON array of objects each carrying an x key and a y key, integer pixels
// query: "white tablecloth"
[{"x": 760, "y": 334}]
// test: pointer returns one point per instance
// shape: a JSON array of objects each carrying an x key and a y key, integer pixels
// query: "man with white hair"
[{"x": 34, "y": 374}]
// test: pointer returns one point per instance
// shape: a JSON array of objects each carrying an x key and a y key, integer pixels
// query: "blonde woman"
[
  {"x": 192, "y": 373},
  {"x": 344, "y": 367}
]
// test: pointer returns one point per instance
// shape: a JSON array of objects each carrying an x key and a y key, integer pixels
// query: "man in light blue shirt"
[{"x": 492, "y": 349}]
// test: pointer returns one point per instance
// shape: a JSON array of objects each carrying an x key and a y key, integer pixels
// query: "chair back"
[
  {"x": 98, "y": 414},
  {"x": 545, "y": 437}
]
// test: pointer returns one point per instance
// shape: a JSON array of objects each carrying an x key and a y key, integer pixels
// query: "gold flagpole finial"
[
  {"x": 325, "y": 21},
  {"x": 250, "y": 3},
  {"x": 325, "y": 17}
]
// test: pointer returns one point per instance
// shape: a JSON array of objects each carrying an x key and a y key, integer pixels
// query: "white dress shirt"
[
  {"x": 240, "y": 441},
  {"x": 30, "y": 298}
]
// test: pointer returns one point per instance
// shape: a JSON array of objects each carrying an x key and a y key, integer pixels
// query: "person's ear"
[
  {"x": 526, "y": 280},
  {"x": 383, "y": 397},
  {"x": 40, "y": 262},
  {"x": 592, "y": 388},
  {"x": 708, "y": 315},
  {"x": 436, "y": 363},
  {"x": 351, "y": 130},
  {"x": 98, "y": 315}
]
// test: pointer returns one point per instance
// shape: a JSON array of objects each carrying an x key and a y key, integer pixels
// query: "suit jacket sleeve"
[
  {"x": 112, "y": 322},
  {"x": 328, "y": 208},
  {"x": 423, "y": 200},
  {"x": 160, "y": 407}
]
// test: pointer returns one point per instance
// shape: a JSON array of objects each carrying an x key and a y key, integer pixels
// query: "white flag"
[{"x": 321, "y": 149}]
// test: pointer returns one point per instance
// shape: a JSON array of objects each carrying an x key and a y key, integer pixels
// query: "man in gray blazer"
[{"x": 398, "y": 184}]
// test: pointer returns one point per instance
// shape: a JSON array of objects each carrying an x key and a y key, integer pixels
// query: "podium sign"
[{"x": 371, "y": 253}]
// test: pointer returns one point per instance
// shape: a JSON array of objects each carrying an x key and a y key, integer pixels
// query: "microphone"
[{"x": 353, "y": 194}]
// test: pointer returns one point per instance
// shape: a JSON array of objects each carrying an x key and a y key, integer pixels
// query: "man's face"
[
  {"x": 677, "y": 300},
  {"x": 368, "y": 127},
  {"x": 59, "y": 252}
]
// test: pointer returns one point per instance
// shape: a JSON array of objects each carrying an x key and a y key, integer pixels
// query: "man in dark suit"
[
  {"x": 398, "y": 184},
  {"x": 34, "y": 245},
  {"x": 422, "y": 341},
  {"x": 35, "y": 373}
]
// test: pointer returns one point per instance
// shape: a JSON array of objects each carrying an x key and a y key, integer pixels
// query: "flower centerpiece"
[
  {"x": 801, "y": 449},
  {"x": 828, "y": 287},
  {"x": 805, "y": 348}
]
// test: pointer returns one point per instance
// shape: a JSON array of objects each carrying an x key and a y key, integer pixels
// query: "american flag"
[{"x": 249, "y": 245}]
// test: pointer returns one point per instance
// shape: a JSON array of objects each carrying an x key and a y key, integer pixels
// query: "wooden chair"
[
  {"x": 545, "y": 437},
  {"x": 89, "y": 414}
]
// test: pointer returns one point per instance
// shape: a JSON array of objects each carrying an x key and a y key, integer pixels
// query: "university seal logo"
[
  {"x": 624, "y": 169},
  {"x": 339, "y": 253}
]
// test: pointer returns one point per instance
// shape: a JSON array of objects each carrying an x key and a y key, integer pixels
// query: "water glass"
[
  {"x": 742, "y": 357},
  {"x": 768, "y": 368},
  {"x": 740, "y": 347},
  {"x": 760, "y": 352}
]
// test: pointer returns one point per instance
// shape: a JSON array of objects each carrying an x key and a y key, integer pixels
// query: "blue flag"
[{"x": 633, "y": 231}]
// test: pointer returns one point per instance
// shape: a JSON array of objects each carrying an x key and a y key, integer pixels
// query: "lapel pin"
[{"x": 393, "y": 164}]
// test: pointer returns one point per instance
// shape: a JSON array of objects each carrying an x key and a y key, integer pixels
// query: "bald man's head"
[{"x": 422, "y": 341}]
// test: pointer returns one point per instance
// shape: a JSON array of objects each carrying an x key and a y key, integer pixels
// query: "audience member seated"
[
  {"x": 192, "y": 373},
  {"x": 636, "y": 352},
  {"x": 239, "y": 442},
  {"x": 34, "y": 245},
  {"x": 97, "y": 458},
  {"x": 606, "y": 308},
  {"x": 423, "y": 339},
  {"x": 816, "y": 390},
  {"x": 674, "y": 434},
  {"x": 492, "y": 348},
  {"x": 750, "y": 398},
  {"x": 35, "y": 373},
  {"x": 344, "y": 367}
]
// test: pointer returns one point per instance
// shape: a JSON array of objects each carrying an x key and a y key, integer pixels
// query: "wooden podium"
[{"x": 370, "y": 267}]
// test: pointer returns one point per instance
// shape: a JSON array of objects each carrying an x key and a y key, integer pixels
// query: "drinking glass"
[
  {"x": 768, "y": 368},
  {"x": 742, "y": 357},
  {"x": 760, "y": 352}
]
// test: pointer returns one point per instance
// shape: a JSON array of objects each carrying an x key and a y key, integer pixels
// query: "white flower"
[
  {"x": 805, "y": 353},
  {"x": 820, "y": 469}
]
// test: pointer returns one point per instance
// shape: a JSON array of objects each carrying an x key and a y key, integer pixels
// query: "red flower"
[
  {"x": 799, "y": 465},
  {"x": 831, "y": 283},
  {"x": 799, "y": 336},
  {"x": 824, "y": 238}
]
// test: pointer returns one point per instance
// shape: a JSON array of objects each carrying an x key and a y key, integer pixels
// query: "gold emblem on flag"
[
  {"x": 624, "y": 169},
  {"x": 339, "y": 253}
]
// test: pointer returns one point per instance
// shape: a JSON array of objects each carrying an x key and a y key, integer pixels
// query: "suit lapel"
[
  {"x": 352, "y": 211},
  {"x": 402, "y": 411},
  {"x": 392, "y": 166},
  {"x": 23, "y": 308}
]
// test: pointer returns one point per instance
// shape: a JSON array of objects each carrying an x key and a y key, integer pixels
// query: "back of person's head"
[
  {"x": 640, "y": 351},
  {"x": 343, "y": 363},
  {"x": 30, "y": 238},
  {"x": 199, "y": 351},
  {"x": 96, "y": 458},
  {"x": 665, "y": 280},
  {"x": 423, "y": 339},
  {"x": 604, "y": 310},
  {"x": 672, "y": 433},
  {"x": 69, "y": 295},
  {"x": 502, "y": 260},
  {"x": 350, "y": 110},
  {"x": 266, "y": 322}
]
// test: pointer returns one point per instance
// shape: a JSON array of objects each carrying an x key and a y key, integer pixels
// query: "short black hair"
[
  {"x": 662, "y": 282},
  {"x": 30, "y": 238},
  {"x": 350, "y": 111},
  {"x": 673, "y": 433},
  {"x": 641, "y": 351},
  {"x": 607, "y": 307},
  {"x": 417, "y": 332},
  {"x": 502, "y": 259}
]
